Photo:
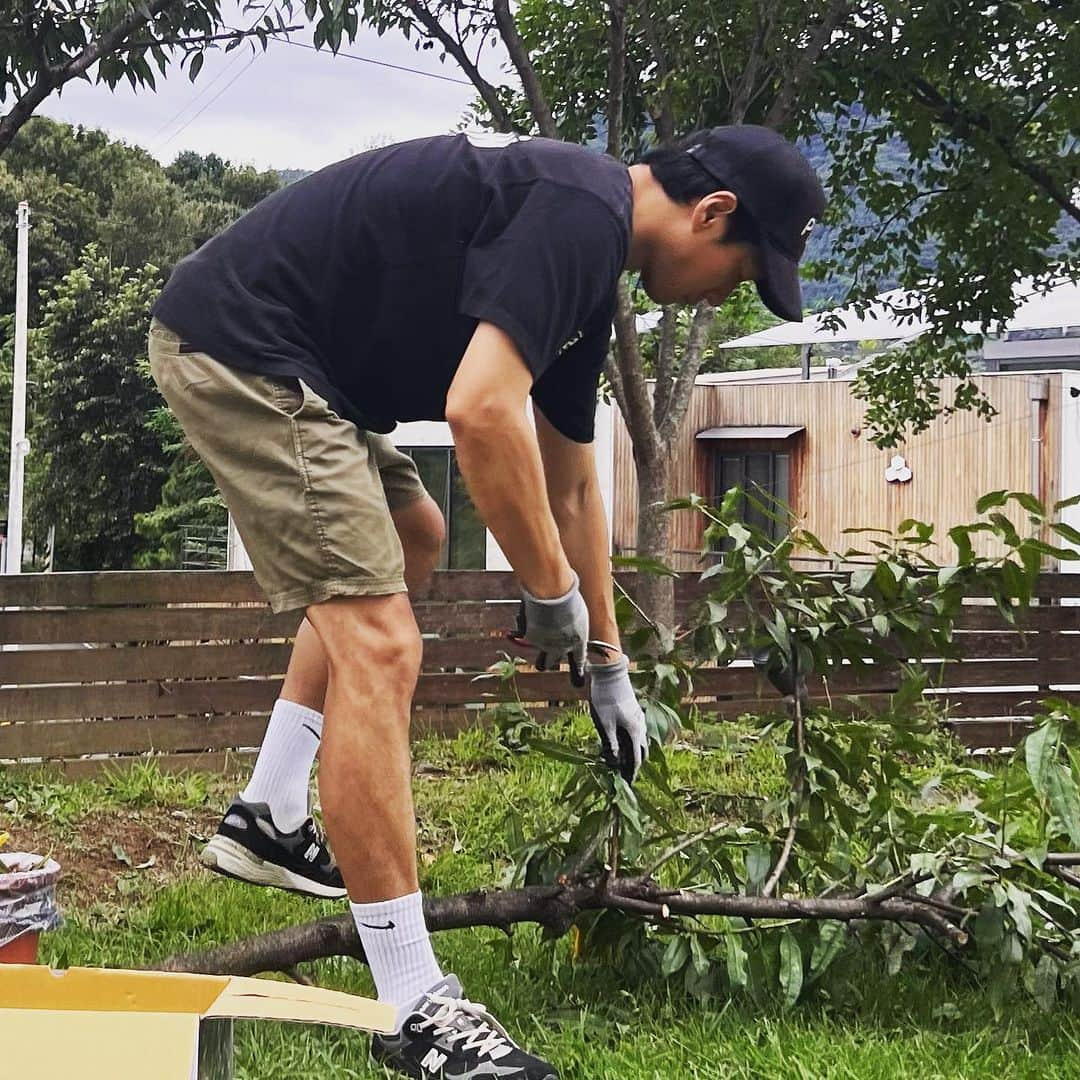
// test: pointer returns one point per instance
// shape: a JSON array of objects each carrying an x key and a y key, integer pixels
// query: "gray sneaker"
[
  {"x": 248, "y": 846},
  {"x": 447, "y": 1037}
]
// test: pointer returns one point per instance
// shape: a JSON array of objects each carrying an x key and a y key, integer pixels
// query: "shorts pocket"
[{"x": 287, "y": 392}]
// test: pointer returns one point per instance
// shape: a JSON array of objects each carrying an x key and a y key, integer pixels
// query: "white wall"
[
  {"x": 436, "y": 433},
  {"x": 1070, "y": 458}
]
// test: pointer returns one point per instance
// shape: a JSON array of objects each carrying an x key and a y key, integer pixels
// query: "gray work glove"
[
  {"x": 556, "y": 628},
  {"x": 617, "y": 715}
]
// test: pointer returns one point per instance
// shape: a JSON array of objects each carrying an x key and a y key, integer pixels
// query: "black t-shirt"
[{"x": 367, "y": 278}]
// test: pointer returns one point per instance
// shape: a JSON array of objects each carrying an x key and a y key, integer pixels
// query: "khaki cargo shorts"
[{"x": 310, "y": 493}]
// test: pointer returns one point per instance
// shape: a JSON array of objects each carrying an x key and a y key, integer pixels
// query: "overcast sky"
[{"x": 289, "y": 107}]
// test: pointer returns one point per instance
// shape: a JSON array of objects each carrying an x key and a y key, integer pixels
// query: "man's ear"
[{"x": 710, "y": 211}]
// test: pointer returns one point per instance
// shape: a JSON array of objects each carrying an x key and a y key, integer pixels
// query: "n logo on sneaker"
[
  {"x": 312, "y": 852},
  {"x": 433, "y": 1060}
]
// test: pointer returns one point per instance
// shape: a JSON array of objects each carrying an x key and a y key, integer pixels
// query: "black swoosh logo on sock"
[
  {"x": 312, "y": 730},
  {"x": 388, "y": 926}
]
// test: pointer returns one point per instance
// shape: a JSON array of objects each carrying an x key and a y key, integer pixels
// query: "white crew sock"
[
  {"x": 283, "y": 767},
  {"x": 398, "y": 949}
]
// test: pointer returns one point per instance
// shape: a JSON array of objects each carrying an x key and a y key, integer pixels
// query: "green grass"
[{"x": 594, "y": 1022}]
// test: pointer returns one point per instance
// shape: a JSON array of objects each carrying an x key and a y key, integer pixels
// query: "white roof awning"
[
  {"x": 897, "y": 315},
  {"x": 741, "y": 434}
]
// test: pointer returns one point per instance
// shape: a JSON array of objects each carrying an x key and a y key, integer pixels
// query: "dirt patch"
[{"x": 110, "y": 854}]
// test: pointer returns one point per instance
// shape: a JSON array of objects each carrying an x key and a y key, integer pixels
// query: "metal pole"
[{"x": 20, "y": 446}]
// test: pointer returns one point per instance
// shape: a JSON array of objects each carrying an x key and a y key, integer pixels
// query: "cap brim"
[{"x": 779, "y": 286}]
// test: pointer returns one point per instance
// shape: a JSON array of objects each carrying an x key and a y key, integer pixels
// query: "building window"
[
  {"x": 466, "y": 537},
  {"x": 765, "y": 479}
]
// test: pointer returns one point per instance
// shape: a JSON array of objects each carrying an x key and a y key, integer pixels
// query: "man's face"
[{"x": 693, "y": 262}]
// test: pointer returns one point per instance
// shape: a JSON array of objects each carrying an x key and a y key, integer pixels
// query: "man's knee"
[{"x": 368, "y": 638}]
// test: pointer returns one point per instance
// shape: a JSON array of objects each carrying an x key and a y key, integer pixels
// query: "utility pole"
[{"x": 20, "y": 445}]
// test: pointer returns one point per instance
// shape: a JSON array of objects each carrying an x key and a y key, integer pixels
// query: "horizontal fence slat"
[
  {"x": 110, "y": 625},
  {"x": 73, "y": 739},
  {"x": 42, "y": 704},
  {"x": 990, "y": 733},
  {"x": 124, "y": 588},
  {"x": 76, "y": 738},
  {"x": 123, "y": 663},
  {"x": 129, "y": 663},
  {"x": 102, "y": 625},
  {"x": 129, "y": 587},
  {"x": 222, "y": 696}
]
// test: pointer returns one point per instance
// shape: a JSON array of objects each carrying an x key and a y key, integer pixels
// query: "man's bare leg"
[
  {"x": 373, "y": 651},
  {"x": 365, "y": 779},
  {"x": 281, "y": 776}
]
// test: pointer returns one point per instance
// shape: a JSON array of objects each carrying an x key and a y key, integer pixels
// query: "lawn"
[{"x": 134, "y": 892}]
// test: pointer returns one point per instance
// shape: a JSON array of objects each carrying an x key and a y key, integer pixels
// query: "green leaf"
[
  {"x": 946, "y": 574},
  {"x": 675, "y": 957},
  {"x": 990, "y": 500},
  {"x": 1030, "y": 503},
  {"x": 196, "y": 66},
  {"x": 791, "y": 968},
  {"x": 1066, "y": 531},
  {"x": 1040, "y": 753},
  {"x": 559, "y": 752},
  {"x": 1020, "y": 909},
  {"x": 1064, "y": 799},
  {"x": 832, "y": 936},
  {"x": 881, "y": 625},
  {"x": 758, "y": 863},
  {"x": 736, "y": 962},
  {"x": 860, "y": 579},
  {"x": 646, "y": 565},
  {"x": 1045, "y": 988}
]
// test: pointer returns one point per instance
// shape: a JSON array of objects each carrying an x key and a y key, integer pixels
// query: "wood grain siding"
[{"x": 838, "y": 480}]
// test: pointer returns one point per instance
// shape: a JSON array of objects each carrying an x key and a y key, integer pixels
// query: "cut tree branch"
[{"x": 555, "y": 908}]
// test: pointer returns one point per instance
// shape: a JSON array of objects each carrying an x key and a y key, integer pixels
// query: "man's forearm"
[
  {"x": 503, "y": 472},
  {"x": 582, "y": 524}
]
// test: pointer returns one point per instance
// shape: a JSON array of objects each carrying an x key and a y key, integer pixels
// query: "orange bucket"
[
  {"x": 27, "y": 905},
  {"x": 22, "y": 950}
]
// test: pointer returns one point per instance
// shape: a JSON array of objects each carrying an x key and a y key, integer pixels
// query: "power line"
[
  {"x": 196, "y": 116},
  {"x": 205, "y": 88},
  {"x": 203, "y": 91},
  {"x": 379, "y": 63}
]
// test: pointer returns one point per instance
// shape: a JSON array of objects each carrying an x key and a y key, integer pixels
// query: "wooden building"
[{"x": 802, "y": 443}]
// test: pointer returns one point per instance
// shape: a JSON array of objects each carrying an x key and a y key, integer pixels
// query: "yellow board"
[
  {"x": 86, "y": 1023},
  {"x": 71, "y": 1045}
]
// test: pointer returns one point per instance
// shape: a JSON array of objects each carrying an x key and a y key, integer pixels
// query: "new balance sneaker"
[
  {"x": 447, "y": 1037},
  {"x": 248, "y": 846}
]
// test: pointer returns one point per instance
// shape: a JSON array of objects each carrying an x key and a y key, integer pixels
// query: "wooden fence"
[{"x": 101, "y": 667}]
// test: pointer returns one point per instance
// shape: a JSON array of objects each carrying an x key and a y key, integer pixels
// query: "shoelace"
[{"x": 486, "y": 1036}]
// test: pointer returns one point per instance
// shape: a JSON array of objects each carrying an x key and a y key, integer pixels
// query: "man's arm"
[
  {"x": 500, "y": 460},
  {"x": 573, "y": 489}
]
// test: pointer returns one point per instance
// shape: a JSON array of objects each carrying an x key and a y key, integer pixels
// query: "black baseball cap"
[{"x": 780, "y": 191}]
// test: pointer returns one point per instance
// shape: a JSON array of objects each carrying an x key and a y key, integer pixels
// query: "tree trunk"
[{"x": 654, "y": 592}]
